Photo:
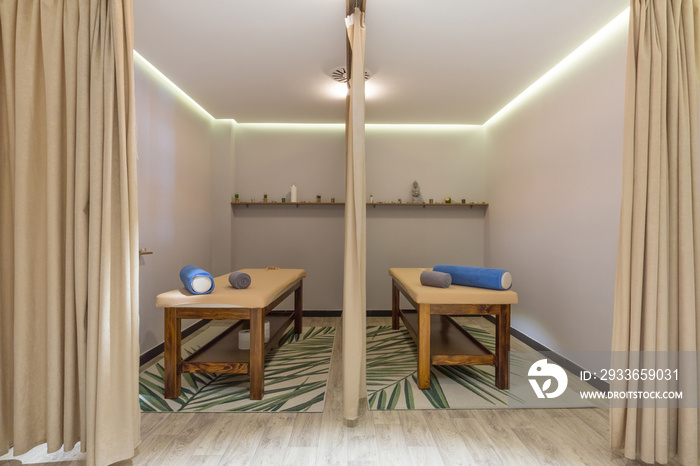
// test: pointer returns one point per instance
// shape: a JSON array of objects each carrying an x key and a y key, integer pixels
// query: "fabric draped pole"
[
  {"x": 68, "y": 229},
  {"x": 657, "y": 292},
  {"x": 354, "y": 286}
]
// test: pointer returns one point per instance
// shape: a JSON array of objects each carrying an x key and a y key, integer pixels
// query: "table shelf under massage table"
[
  {"x": 441, "y": 340},
  {"x": 252, "y": 306}
]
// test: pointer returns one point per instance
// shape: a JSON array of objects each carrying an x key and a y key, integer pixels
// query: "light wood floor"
[{"x": 421, "y": 438}]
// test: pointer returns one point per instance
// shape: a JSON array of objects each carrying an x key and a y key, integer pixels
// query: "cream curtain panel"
[
  {"x": 657, "y": 294},
  {"x": 354, "y": 278},
  {"x": 68, "y": 228}
]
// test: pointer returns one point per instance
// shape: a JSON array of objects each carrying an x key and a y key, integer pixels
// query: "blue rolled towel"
[
  {"x": 240, "y": 280},
  {"x": 196, "y": 280},
  {"x": 436, "y": 279},
  {"x": 480, "y": 277}
]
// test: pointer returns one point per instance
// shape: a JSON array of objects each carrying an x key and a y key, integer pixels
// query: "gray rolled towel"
[
  {"x": 240, "y": 280},
  {"x": 436, "y": 279}
]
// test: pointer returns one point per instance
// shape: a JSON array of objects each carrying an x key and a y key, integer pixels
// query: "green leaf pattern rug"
[
  {"x": 392, "y": 377},
  {"x": 296, "y": 374}
]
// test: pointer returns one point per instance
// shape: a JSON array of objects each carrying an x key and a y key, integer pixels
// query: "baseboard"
[
  {"x": 153, "y": 353},
  {"x": 554, "y": 356}
]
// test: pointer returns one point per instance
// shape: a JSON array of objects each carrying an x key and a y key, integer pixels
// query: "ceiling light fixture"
[
  {"x": 340, "y": 74},
  {"x": 340, "y": 90}
]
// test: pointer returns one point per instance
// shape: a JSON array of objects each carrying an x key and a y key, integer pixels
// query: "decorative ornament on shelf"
[
  {"x": 371, "y": 199},
  {"x": 293, "y": 193},
  {"x": 318, "y": 198},
  {"x": 430, "y": 201},
  {"x": 464, "y": 201},
  {"x": 332, "y": 200},
  {"x": 235, "y": 197},
  {"x": 264, "y": 197},
  {"x": 448, "y": 200},
  {"x": 284, "y": 199},
  {"x": 416, "y": 196}
]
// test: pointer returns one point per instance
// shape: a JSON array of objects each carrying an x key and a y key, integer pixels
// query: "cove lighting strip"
[
  {"x": 369, "y": 126},
  {"x": 294, "y": 126},
  {"x": 156, "y": 71},
  {"x": 414, "y": 127},
  {"x": 596, "y": 40}
]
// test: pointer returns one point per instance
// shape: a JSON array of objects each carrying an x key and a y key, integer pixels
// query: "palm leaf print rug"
[
  {"x": 296, "y": 374},
  {"x": 392, "y": 381}
]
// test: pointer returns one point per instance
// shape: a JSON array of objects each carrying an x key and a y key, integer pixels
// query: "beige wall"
[
  {"x": 554, "y": 183},
  {"x": 268, "y": 159},
  {"x": 222, "y": 158},
  {"x": 446, "y": 162},
  {"x": 174, "y": 143}
]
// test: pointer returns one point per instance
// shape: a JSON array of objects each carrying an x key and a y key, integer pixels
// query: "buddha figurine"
[{"x": 416, "y": 196}]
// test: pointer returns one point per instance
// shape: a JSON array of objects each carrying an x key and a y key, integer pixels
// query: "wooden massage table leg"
[
  {"x": 298, "y": 307},
  {"x": 172, "y": 353},
  {"x": 424, "y": 346},
  {"x": 502, "y": 346},
  {"x": 395, "y": 304},
  {"x": 257, "y": 353}
]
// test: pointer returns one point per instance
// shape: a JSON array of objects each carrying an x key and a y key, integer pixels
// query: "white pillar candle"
[
  {"x": 244, "y": 337},
  {"x": 293, "y": 196}
]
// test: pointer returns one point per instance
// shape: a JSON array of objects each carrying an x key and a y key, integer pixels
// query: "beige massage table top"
[
  {"x": 265, "y": 287},
  {"x": 454, "y": 294}
]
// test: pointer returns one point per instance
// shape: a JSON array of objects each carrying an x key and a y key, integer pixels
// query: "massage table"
[
  {"x": 441, "y": 340},
  {"x": 252, "y": 305}
]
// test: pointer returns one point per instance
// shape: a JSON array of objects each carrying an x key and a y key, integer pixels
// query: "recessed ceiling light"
[{"x": 340, "y": 74}]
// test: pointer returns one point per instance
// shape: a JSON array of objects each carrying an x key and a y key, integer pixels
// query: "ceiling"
[{"x": 437, "y": 62}]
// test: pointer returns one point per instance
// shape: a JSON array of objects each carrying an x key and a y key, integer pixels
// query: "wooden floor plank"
[
  {"x": 362, "y": 441},
  {"x": 391, "y": 444},
  {"x": 300, "y": 455},
  {"x": 305, "y": 430},
  {"x": 187, "y": 439},
  {"x": 449, "y": 442},
  {"x": 224, "y": 431},
  {"x": 243, "y": 446},
  {"x": 416, "y": 429},
  {"x": 425, "y": 456}
]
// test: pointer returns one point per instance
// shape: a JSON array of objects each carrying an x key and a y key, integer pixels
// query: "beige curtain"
[
  {"x": 68, "y": 228},
  {"x": 354, "y": 287},
  {"x": 657, "y": 294}
]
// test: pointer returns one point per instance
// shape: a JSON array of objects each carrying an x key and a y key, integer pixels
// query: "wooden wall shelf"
[
  {"x": 283, "y": 204},
  {"x": 373, "y": 204},
  {"x": 426, "y": 204}
]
